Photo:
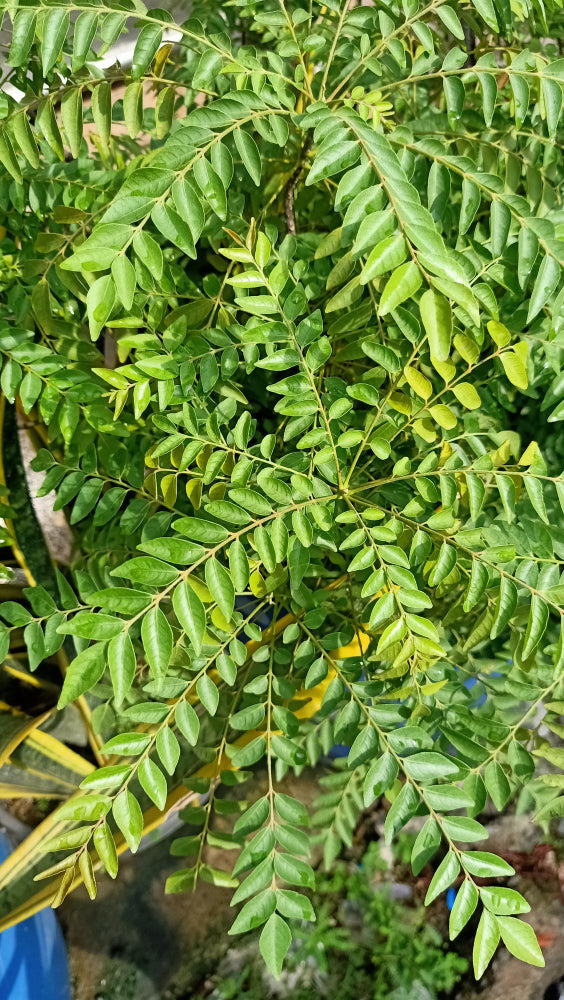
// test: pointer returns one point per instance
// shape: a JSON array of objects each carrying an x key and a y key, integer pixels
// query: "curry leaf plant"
[{"x": 282, "y": 310}]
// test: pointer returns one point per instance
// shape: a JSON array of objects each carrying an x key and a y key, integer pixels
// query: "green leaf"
[
  {"x": 123, "y": 274},
  {"x": 374, "y": 229},
  {"x": 443, "y": 877},
  {"x": 463, "y": 828},
  {"x": 454, "y": 97},
  {"x": 485, "y": 942},
  {"x": 190, "y": 612},
  {"x": 187, "y": 722},
  {"x": 102, "y": 110},
  {"x": 402, "y": 285},
  {"x": 83, "y": 36},
  {"x": 383, "y": 356},
  {"x": 173, "y": 228},
  {"x": 46, "y": 122},
  {"x": 249, "y": 153},
  {"x": 332, "y": 160},
  {"x": 537, "y": 624},
  {"x": 447, "y": 797},
  {"x": 23, "y": 33},
  {"x": 8, "y": 158},
  {"x": 207, "y": 693},
  {"x": 500, "y": 220},
  {"x": 536, "y": 496},
  {"x": 486, "y": 10},
  {"x": 221, "y": 586},
  {"x": 294, "y": 870},
  {"x": 506, "y": 487},
  {"x": 545, "y": 284},
  {"x": 290, "y": 809},
  {"x": 156, "y": 635},
  {"x": 403, "y": 807},
  {"x": 129, "y": 818},
  {"x": 153, "y": 782},
  {"x": 386, "y": 256},
  {"x": 25, "y": 139},
  {"x": 127, "y": 744},
  {"x": 418, "y": 382},
  {"x": 427, "y": 843},
  {"x": 294, "y": 905},
  {"x": 254, "y": 913},
  {"x": 528, "y": 247},
  {"x": 133, "y": 108},
  {"x": 248, "y": 718},
  {"x": 211, "y": 186},
  {"x": 100, "y": 302},
  {"x": 146, "y": 46},
  {"x": 436, "y": 315},
  {"x": 149, "y": 252},
  {"x": 364, "y": 747},
  {"x": 54, "y": 31},
  {"x": 71, "y": 115},
  {"x": 121, "y": 664},
  {"x": 87, "y": 807},
  {"x": 146, "y": 570},
  {"x": 497, "y": 785},
  {"x": 428, "y": 766},
  {"x": 503, "y": 901},
  {"x": 464, "y": 905},
  {"x": 520, "y": 88},
  {"x": 485, "y": 865},
  {"x": 187, "y": 204},
  {"x": 519, "y": 938},
  {"x": 83, "y": 673},
  {"x": 106, "y": 849},
  {"x": 505, "y": 607},
  {"x": 274, "y": 943},
  {"x": 445, "y": 563},
  {"x": 471, "y": 195}
]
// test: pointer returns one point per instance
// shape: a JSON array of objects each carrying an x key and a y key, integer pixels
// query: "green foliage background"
[{"x": 291, "y": 329}]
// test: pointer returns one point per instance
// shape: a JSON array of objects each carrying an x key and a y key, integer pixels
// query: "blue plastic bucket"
[{"x": 33, "y": 958}]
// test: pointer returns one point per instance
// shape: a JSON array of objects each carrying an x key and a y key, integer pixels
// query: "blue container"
[{"x": 33, "y": 958}]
